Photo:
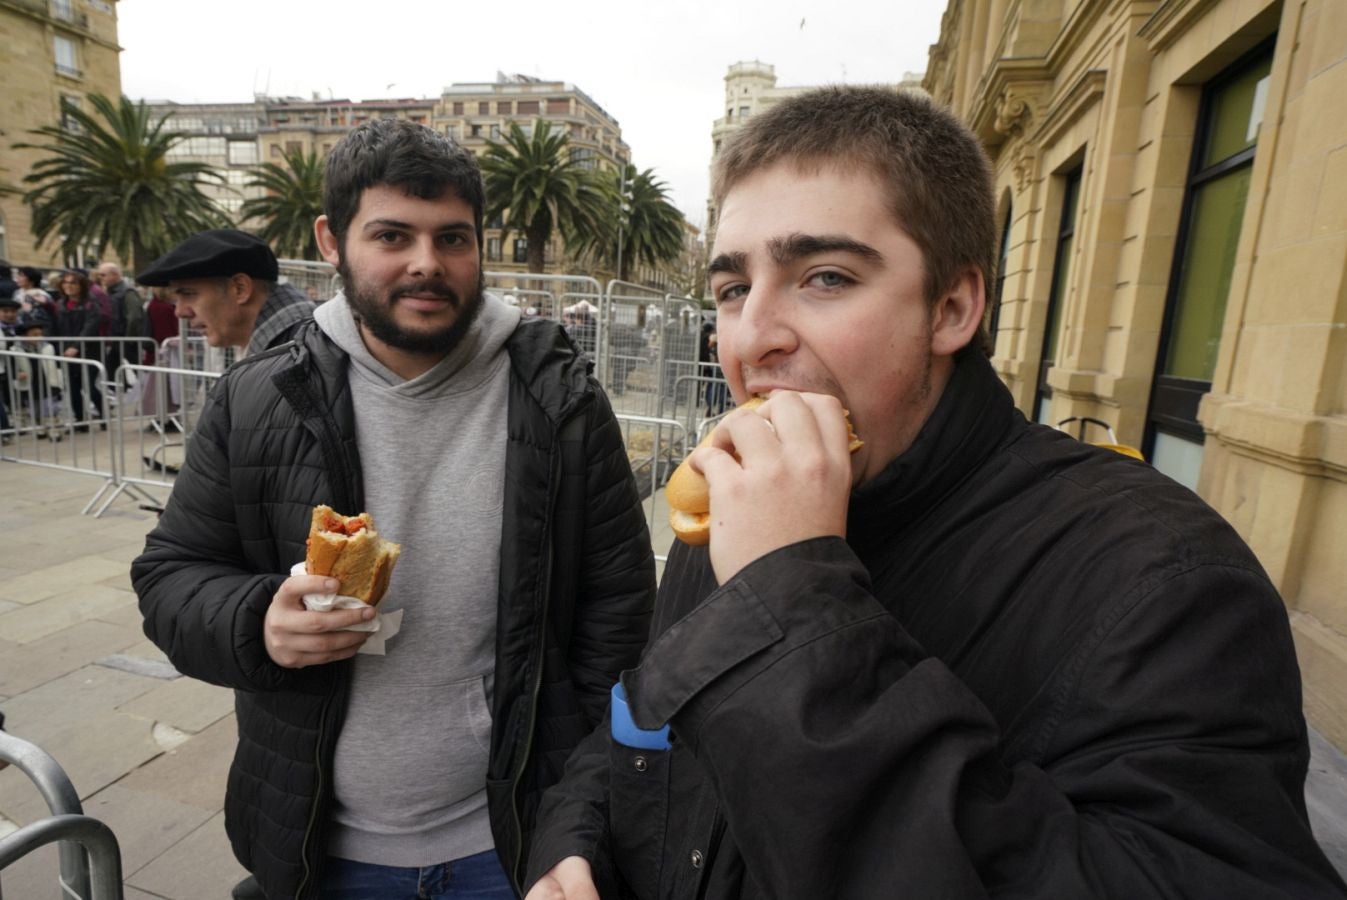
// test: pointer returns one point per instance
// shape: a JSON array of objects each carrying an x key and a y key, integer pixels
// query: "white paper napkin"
[{"x": 385, "y": 625}]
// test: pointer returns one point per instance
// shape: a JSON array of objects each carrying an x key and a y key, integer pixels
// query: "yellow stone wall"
[
  {"x": 31, "y": 89},
  {"x": 1115, "y": 88}
]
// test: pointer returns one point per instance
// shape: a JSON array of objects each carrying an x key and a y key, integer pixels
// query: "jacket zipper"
[
  {"x": 553, "y": 494},
  {"x": 313, "y": 810},
  {"x": 341, "y": 481}
]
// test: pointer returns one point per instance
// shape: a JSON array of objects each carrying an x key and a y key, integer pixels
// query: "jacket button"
[
  {"x": 696, "y": 859},
  {"x": 640, "y": 763}
]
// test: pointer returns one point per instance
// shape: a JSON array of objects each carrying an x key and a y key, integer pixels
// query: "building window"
[
  {"x": 275, "y": 151},
  {"x": 503, "y": 108},
  {"x": 294, "y": 146},
  {"x": 69, "y": 104},
  {"x": 493, "y": 249},
  {"x": 242, "y": 153},
  {"x": 458, "y": 107},
  {"x": 527, "y": 108},
  {"x": 496, "y": 221},
  {"x": 1229, "y": 121},
  {"x": 495, "y": 132},
  {"x": 67, "y": 62},
  {"x": 521, "y": 250},
  {"x": 743, "y": 113},
  {"x": 476, "y": 131},
  {"x": 1061, "y": 280},
  {"x": 994, "y": 310},
  {"x": 483, "y": 108},
  {"x": 63, "y": 10}
]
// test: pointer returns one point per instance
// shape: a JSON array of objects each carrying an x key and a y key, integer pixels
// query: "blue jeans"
[{"x": 479, "y": 877}]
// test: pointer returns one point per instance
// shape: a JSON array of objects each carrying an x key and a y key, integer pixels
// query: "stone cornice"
[
  {"x": 1171, "y": 20},
  {"x": 1073, "y": 103},
  {"x": 1309, "y": 444}
]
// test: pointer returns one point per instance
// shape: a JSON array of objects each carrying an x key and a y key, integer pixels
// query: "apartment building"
[{"x": 57, "y": 52}]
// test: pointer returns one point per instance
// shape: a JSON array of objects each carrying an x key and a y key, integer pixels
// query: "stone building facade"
[
  {"x": 471, "y": 113},
  {"x": 1171, "y": 179},
  {"x": 57, "y": 52}
]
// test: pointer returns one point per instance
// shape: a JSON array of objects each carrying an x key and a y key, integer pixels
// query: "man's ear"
[
  {"x": 957, "y": 314},
  {"x": 242, "y": 286},
  {"x": 328, "y": 245}
]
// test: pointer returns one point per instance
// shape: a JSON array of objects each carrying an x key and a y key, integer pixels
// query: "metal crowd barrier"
[
  {"x": 318, "y": 280},
  {"x": 90, "y": 859},
  {"x": 654, "y": 447},
  {"x": 155, "y": 430},
  {"x": 44, "y": 429}
]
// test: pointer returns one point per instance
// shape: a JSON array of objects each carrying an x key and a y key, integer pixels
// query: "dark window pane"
[
  {"x": 1204, "y": 278},
  {"x": 1237, "y": 113}
]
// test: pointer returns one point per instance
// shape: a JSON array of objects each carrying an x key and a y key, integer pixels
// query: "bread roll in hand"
[
  {"x": 690, "y": 498},
  {"x": 349, "y": 549}
]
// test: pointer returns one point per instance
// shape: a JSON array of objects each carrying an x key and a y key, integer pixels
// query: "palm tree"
[
  {"x": 293, "y": 200},
  {"x": 107, "y": 181},
  {"x": 640, "y": 224},
  {"x": 537, "y": 188}
]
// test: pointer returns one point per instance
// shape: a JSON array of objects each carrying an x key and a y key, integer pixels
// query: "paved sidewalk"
[{"x": 147, "y": 749}]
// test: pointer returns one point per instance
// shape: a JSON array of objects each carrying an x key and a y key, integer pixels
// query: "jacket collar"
[
  {"x": 973, "y": 417},
  {"x": 552, "y": 369}
]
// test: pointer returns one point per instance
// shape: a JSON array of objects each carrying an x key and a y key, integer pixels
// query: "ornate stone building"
[
  {"x": 57, "y": 52},
  {"x": 1172, "y": 191}
]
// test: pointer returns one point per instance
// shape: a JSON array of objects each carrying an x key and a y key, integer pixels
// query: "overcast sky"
[{"x": 658, "y": 68}]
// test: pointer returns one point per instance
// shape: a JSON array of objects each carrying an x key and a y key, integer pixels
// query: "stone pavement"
[{"x": 148, "y": 750}]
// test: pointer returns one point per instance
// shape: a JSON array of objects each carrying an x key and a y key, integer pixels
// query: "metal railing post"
[{"x": 63, "y": 802}]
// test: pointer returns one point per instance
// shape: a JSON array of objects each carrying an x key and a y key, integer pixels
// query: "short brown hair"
[{"x": 936, "y": 174}]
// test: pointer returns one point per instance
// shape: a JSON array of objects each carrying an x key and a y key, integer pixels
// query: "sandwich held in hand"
[
  {"x": 690, "y": 499},
  {"x": 349, "y": 549}
]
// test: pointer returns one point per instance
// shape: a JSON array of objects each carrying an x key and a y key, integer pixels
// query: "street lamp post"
[{"x": 623, "y": 209}]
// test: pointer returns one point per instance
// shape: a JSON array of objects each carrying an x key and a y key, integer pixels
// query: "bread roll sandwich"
[
  {"x": 349, "y": 549},
  {"x": 690, "y": 499}
]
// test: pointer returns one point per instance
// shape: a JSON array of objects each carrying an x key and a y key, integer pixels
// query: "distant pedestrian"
[
  {"x": 8, "y": 286},
  {"x": 38, "y": 383},
  {"x": 35, "y": 303},
  {"x": 81, "y": 315},
  {"x": 127, "y": 311},
  {"x": 9, "y": 319}
]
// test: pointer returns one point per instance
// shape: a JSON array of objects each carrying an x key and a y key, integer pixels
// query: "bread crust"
[
  {"x": 350, "y": 549},
  {"x": 689, "y": 496}
]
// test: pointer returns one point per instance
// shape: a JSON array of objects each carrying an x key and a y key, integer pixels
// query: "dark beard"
[{"x": 375, "y": 313}]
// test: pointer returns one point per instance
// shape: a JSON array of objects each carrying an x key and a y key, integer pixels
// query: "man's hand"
[
  {"x": 570, "y": 879},
  {"x": 72, "y": 352},
  {"x": 296, "y": 637},
  {"x": 778, "y": 474}
]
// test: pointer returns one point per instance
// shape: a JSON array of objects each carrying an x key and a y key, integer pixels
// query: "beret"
[{"x": 219, "y": 253}]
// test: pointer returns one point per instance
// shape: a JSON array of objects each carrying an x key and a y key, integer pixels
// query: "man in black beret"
[{"x": 224, "y": 282}]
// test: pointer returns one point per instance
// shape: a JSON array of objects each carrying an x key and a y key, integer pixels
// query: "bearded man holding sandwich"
[{"x": 525, "y": 577}]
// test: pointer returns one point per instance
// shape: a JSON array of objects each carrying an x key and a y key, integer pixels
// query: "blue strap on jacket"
[{"x": 625, "y": 731}]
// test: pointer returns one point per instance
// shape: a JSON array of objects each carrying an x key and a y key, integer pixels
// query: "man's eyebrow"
[
  {"x": 407, "y": 226},
  {"x": 798, "y": 246},
  {"x": 731, "y": 263}
]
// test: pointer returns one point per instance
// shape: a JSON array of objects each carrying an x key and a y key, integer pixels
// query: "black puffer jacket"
[
  {"x": 277, "y": 438},
  {"x": 1034, "y": 669}
]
